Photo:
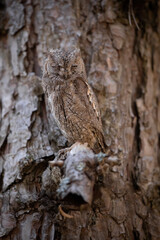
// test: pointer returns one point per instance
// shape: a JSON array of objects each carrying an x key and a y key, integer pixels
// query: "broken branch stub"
[{"x": 79, "y": 173}]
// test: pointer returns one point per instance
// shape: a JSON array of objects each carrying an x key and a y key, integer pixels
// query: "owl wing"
[
  {"x": 97, "y": 131},
  {"x": 93, "y": 101},
  {"x": 81, "y": 113},
  {"x": 87, "y": 103}
]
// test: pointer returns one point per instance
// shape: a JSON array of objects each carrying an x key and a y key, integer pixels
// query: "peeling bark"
[{"x": 122, "y": 64}]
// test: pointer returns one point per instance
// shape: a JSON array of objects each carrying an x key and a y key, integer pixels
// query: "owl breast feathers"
[{"x": 72, "y": 100}]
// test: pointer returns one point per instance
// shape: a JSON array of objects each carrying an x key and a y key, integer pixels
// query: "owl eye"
[
  {"x": 73, "y": 68},
  {"x": 60, "y": 67},
  {"x": 53, "y": 66}
]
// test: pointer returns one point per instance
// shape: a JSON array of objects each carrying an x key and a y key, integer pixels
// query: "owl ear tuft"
[
  {"x": 52, "y": 51},
  {"x": 51, "y": 54},
  {"x": 77, "y": 52}
]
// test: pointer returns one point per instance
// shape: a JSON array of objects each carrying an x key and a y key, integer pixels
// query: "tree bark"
[{"x": 122, "y": 63}]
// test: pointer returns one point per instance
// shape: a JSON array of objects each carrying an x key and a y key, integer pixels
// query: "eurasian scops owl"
[{"x": 72, "y": 100}]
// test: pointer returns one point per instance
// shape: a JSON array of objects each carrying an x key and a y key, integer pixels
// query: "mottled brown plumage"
[{"x": 72, "y": 100}]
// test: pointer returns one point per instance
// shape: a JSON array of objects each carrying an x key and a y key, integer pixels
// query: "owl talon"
[
  {"x": 60, "y": 158},
  {"x": 56, "y": 163}
]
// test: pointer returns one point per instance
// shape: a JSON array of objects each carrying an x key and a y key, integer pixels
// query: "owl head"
[{"x": 64, "y": 65}]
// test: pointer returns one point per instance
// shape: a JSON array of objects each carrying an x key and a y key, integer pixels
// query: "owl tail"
[{"x": 99, "y": 145}]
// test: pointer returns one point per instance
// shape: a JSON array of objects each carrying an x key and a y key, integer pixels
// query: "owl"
[{"x": 72, "y": 100}]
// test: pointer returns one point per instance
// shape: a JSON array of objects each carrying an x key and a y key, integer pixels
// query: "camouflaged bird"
[{"x": 72, "y": 100}]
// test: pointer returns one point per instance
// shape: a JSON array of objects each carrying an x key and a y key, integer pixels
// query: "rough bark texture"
[{"x": 122, "y": 63}]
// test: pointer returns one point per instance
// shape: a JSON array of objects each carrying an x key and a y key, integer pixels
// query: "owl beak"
[{"x": 66, "y": 75}]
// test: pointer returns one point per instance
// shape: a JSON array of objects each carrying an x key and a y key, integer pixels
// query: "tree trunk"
[{"x": 122, "y": 63}]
